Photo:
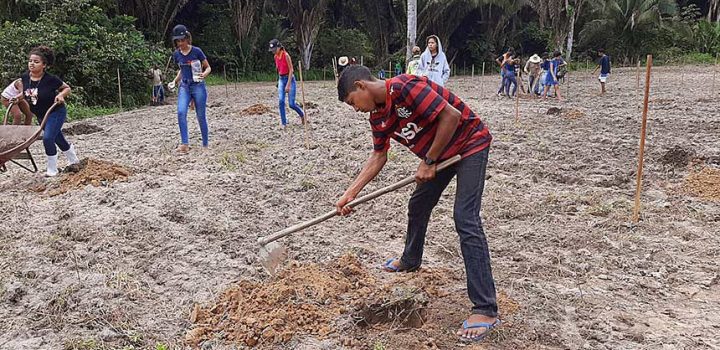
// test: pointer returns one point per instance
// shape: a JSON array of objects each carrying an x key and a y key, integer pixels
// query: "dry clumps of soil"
[
  {"x": 91, "y": 172},
  {"x": 256, "y": 109},
  {"x": 677, "y": 157},
  {"x": 309, "y": 105},
  {"x": 704, "y": 183},
  {"x": 82, "y": 129},
  {"x": 569, "y": 113},
  {"x": 8, "y": 144},
  {"x": 309, "y": 299}
]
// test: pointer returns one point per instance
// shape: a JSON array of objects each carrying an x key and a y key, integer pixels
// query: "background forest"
[{"x": 96, "y": 38}]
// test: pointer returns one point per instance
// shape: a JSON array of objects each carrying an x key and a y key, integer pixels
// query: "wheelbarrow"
[{"x": 15, "y": 141}]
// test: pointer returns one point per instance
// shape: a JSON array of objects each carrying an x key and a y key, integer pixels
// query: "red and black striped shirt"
[{"x": 411, "y": 107}]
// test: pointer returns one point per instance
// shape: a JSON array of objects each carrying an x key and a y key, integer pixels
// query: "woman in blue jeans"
[
  {"x": 41, "y": 90},
  {"x": 286, "y": 81},
  {"x": 194, "y": 68}
]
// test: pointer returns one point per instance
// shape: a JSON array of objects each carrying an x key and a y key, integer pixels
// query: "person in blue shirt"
[
  {"x": 551, "y": 78},
  {"x": 510, "y": 75},
  {"x": 190, "y": 80},
  {"x": 604, "y": 66}
]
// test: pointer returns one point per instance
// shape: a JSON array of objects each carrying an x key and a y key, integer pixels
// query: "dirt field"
[{"x": 164, "y": 250}]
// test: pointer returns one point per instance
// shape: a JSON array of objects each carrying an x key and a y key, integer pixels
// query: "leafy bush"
[{"x": 89, "y": 46}]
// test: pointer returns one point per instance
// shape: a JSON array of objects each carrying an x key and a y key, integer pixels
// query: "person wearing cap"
[
  {"x": 286, "y": 81},
  {"x": 190, "y": 80},
  {"x": 414, "y": 62},
  {"x": 532, "y": 69},
  {"x": 343, "y": 62}
]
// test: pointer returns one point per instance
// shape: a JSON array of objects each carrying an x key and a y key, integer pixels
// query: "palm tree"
[
  {"x": 411, "y": 27},
  {"x": 306, "y": 17},
  {"x": 626, "y": 26}
]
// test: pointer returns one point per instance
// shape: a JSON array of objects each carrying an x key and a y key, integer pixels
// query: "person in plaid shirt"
[{"x": 436, "y": 125}]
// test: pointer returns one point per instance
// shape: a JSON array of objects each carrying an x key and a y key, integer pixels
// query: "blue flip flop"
[
  {"x": 488, "y": 327},
  {"x": 389, "y": 265}
]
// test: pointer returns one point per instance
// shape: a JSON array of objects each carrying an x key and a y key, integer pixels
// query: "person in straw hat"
[
  {"x": 343, "y": 62},
  {"x": 533, "y": 70}
]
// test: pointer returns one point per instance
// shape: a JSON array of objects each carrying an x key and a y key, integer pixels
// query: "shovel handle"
[{"x": 366, "y": 198}]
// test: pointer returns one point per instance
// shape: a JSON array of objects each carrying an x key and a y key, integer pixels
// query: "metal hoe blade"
[{"x": 272, "y": 256}]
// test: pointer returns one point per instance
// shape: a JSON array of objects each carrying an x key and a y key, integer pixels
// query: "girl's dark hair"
[
  {"x": 46, "y": 53},
  {"x": 556, "y": 54},
  {"x": 188, "y": 37}
]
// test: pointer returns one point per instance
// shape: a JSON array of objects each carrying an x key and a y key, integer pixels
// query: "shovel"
[{"x": 272, "y": 254}]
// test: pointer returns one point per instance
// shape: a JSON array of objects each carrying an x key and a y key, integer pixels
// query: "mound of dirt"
[
  {"x": 571, "y": 113},
  {"x": 90, "y": 172},
  {"x": 677, "y": 157},
  {"x": 704, "y": 183},
  {"x": 310, "y": 299},
  {"x": 553, "y": 111},
  {"x": 303, "y": 299},
  {"x": 82, "y": 129},
  {"x": 256, "y": 109}
]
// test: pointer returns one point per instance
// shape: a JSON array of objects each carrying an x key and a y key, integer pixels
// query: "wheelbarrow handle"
[{"x": 366, "y": 198}]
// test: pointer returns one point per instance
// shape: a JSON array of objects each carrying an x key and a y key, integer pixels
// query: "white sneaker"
[
  {"x": 71, "y": 156},
  {"x": 51, "y": 166}
]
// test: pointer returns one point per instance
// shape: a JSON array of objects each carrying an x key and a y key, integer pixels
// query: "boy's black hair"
[
  {"x": 545, "y": 55},
  {"x": 556, "y": 54},
  {"x": 601, "y": 50},
  {"x": 351, "y": 74}
]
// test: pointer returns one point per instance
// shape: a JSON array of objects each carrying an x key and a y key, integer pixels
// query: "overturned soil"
[
  {"x": 704, "y": 183},
  {"x": 256, "y": 109},
  {"x": 82, "y": 129},
  {"x": 169, "y": 253}
]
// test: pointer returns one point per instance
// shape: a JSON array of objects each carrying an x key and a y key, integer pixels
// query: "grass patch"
[{"x": 78, "y": 112}]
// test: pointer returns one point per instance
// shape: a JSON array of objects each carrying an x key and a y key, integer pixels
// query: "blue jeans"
[
  {"x": 540, "y": 86},
  {"x": 52, "y": 134},
  {"x": 198, "y": 93},
  {"x": 510, "y": 79},
  {"x": 502, "y": 82},
  {"x": 468, "y": 224},
  {"x": 282, "y": 82},
  {"x": 159, "y": 93}
]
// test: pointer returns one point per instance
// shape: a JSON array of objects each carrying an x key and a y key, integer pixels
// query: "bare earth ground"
[{"x": 131, "y": 263}]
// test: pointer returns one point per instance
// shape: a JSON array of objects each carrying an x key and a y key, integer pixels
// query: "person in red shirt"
[
  {"x": 435, "y": 125},
  {"x": 286, "y": 81}
]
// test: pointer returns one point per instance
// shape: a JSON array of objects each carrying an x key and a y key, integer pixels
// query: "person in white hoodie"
[{"x": 433, "y": 63}]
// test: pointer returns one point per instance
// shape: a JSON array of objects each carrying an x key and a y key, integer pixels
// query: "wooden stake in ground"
[
  {"x": 682, "y": 73},
  {"x": 119, "y": 89},
  {"x": 517, "y": 106},
  {"x": 641, "y": 153},
  {"x": 712, "y": 91},
  {"x": 482, "y": 80},
  {"x": 637, "y": 75},
  {"x": 472, "y": 74},
  {"x": 226, "y": 82},
  {"x": 305, "y": 118}
]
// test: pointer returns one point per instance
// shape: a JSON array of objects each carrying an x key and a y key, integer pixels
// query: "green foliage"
[
  {"x": 89, "y": 46},
  {"x": 628, "y": 28},
  {"x": 336, "y": 42}
]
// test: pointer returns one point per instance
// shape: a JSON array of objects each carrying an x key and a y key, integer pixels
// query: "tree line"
[{"x": 95, "y": 38}]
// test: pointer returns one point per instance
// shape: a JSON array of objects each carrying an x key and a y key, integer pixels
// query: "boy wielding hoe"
[{"x": 435, "y": 125}]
